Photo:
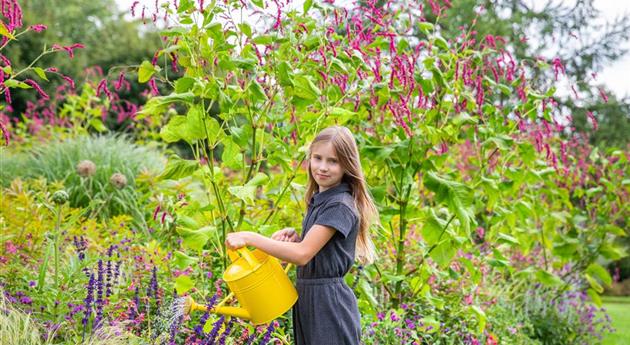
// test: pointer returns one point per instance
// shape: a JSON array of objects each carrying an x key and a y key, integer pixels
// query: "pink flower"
[
  {"x": 9, "y": 247},
  {"x": 592, "y": 118},
  {"x": 604, "y": 95},
  {"x": 38, "y": 27},
  {"x": 557, "y": 67},
  {"x": 5, "y": 133},
  {"x": 36, "y": 86},
  {"x": 69, "y": 49}
]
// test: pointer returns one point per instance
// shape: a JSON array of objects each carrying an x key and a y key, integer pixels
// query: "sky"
[{"x": 615, "y": 76}]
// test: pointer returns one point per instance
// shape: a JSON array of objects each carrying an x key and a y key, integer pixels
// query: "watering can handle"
[{"x": 245, "y": 253}]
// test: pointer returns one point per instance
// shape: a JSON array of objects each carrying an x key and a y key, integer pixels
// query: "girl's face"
[{"x": 325, "y": 166}]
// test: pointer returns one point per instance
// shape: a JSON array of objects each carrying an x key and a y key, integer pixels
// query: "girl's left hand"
[{"x": 236, "y": 240}]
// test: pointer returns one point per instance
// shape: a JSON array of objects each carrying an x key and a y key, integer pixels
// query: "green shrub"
[{"x": 97, "y": 171}]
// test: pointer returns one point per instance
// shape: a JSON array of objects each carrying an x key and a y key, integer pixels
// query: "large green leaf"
[
  {"x": 432, "y": 228},
  {"x": 183, "y": 284},
  {"x": 182, "y": 260},
  {"x": 178, "y": 168},
  {"x": 245, "y": 193},
  {"x": 196, "y": 239},
  {"x": 457, "y": 196},
  {"x": 444, "y": 253},
  {"x": 146, "y": 71}
]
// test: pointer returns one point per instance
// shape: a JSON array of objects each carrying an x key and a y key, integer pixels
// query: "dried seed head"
[
  {"x": 118, "y": 180},
  {"x": 86, "y": 168}
]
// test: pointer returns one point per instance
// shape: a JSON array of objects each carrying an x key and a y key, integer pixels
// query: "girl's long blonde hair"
[{"x": 348, "y": 154}]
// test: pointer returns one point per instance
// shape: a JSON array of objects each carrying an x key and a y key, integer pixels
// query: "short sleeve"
[{"x": 337, "y": 216}]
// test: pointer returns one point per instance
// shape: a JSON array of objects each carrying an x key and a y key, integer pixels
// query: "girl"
[{"x": 336, "y": 227}]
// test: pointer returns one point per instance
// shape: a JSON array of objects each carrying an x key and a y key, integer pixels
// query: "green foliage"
[
  {"x": 109, "y": 38},
  {"x": 61, "y": 161},
  {"x": 18, "y": 327}
]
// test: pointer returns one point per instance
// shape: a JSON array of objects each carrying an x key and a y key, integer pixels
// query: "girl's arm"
[{"x": 298, "y": 253}]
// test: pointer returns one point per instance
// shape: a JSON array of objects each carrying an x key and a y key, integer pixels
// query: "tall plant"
[{"x": 453, "y": 136}]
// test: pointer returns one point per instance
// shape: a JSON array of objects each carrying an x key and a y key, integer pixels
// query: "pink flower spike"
[
  {"x": 38, "y": 27},
  {"x": 119, "y": 83},
  {"x": 39, "y": 89},
  {"x": 5, "y": 133},
  {"x": 592, "y": 118},
  {"x": 604, "y": 95},
  {"x": 69, "y": 80}
]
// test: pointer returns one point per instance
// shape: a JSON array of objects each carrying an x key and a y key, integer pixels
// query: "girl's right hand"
[{"x": 286, "y": 235}]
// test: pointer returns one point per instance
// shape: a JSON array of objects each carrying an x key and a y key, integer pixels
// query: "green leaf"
[
  {"x": 175, "y": 129},
  {"x": 367, "y": 292},
  {"x": 612, "y": 252},
  {"x": 256, "y": 91},
  {"x": 194, "y": 129},
  {"x": 177, "y": 168},
  {"x": 600, "y": 272},
  {"x": 307, "y": 5},
  {"x": 548, "y": 279},
  {"x": 613, "y": 229},
  {"x": 43, "y": 268},
  {"x": 444, "y": 253},
  {"x": 182, "y": 260},
  {"x": 305, "y": 88},
  {"x": 245, "y": 193},
  {"x": 98, "y": 125},
  {"x": 215, "y": 132},
  {"x": 341, "y": 114},
  {"x": 184, "y": 84},
  {"x": 593, "y": 283},
  {"x": 263, "y": 39},
  {"x": 4, "y": 31},
  {"x": 258, "y": 180},
  {"x": 145, "y": 72},
  {"x": 457, "y": 197},
  {"x": 196, "y": 239},
  {"x": 429, "y": 325},
  {"x": 183, "y": 284},
  {"x": 481, "y": 318},
  {"x": 40, "y": 72},
  {"x": 185, "y": 5},
  {"x": 231, "y": 155},
  {"x": 258, "y": 3},
  {"x": 432, "y": 228},
  {"x": 501, "y": 237},
  {"x": 285, "y": 74},
  {"x": 594, "y": 297},
  {"x": 425, "y": 27},
  {"x": 246, "y": 29},
  {"x": 12, "y": 83},
  {"x": 441, "y": 43}
]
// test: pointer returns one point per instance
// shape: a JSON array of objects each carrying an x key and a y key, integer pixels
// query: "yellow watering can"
[{"x": 260, "y": 285}]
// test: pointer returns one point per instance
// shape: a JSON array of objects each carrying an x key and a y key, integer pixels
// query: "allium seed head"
[
  {"x": 86, "y": 168},
  {"x": 118, "y": 180}
]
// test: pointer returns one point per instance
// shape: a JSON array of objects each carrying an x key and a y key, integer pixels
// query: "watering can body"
[{"x": 260, "y": 285}]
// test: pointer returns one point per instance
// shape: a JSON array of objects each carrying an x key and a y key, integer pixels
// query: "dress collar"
[{"x": 319, "y": 198}]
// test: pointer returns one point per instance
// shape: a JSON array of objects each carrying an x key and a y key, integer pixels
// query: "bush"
[
  {"x": 96, "y": 171},
  {"x": 563, "y": 318}
]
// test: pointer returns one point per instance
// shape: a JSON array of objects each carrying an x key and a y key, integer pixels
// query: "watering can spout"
[
  {"x": 190, "y": 305},
  {"x": 232, "y": 311}
]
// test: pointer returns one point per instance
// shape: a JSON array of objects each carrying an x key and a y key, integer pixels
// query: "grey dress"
[{"x": 326, "y": 312}]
